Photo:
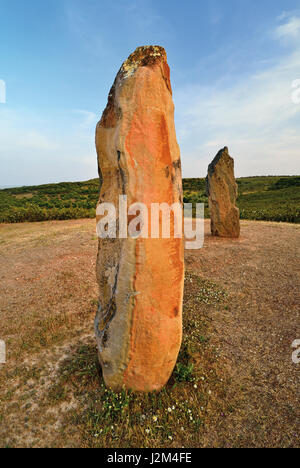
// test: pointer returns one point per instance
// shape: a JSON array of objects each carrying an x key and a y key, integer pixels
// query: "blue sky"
[{"x": 233, "y": 63}]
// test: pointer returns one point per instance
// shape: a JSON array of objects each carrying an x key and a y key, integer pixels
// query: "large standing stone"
[
  {"x": 139, "y": 322},
  {"x": 222, "y": 191}
]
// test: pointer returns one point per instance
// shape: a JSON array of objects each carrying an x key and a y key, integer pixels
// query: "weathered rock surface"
[
  {"x": 222, "y": 191},
  {"x": 139, "y": 322}
]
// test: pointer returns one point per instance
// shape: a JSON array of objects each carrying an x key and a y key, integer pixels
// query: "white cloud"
[
  {"x": 289, "y": 30},
  {"x": 15, "y": 133},
  {"x": 89, "y": 118},
  {"x": 282, "y": 16},
  {"x": 255, "y": 117},
  {"x": 35, "y": 151}
]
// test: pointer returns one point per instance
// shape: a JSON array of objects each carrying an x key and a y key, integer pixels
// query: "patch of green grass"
[
  {"x": 83, "y": 365},
  {"x": 184, "y": 372},
  {"x": 126, "y": 419},
  {"x": 57, "y": 393}
]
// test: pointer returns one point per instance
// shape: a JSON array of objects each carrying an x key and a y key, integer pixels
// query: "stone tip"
[
  {"x": 148, "y": 51},
  {"x": 141, "y": 57},
  {"x": 224, "y": 152}
]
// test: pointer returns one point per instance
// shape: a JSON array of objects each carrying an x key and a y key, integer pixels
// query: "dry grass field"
[{"x": 234, "y": 386}]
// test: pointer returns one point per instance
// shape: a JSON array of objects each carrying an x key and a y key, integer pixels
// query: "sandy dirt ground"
[
  {"x": 48, "y": 299},
  {"x": 261, "y": 270}
]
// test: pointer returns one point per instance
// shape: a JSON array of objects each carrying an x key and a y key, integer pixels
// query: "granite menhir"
[
  {"x": 139, "y": 321},
  {"x": 222, "y": 192}
]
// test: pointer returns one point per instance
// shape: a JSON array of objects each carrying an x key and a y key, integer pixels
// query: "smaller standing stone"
[{"x": 222, "y": 191}]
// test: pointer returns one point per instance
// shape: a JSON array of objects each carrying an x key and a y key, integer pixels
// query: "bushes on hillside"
[
  {"x": 281, "y": 215},
  {"x": 33, "y": 213},
  {"x": 261, "y": 198}
]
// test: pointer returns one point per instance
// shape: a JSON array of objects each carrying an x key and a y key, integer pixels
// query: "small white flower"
[
  {"x": 147, "y": 431},
  {"x": 170, "y": 410},
  {"x": 195, "y": 386},
  {"x": 209, "y": 392},
  {"x": 155, "y": 418}
]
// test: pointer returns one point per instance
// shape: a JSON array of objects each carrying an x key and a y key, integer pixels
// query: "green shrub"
[
  {"x": 184, "y": 372},
  {"x": 260, "y": 198}
]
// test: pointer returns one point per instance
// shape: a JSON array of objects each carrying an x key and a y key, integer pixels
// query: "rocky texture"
[
  {"x": 139, "y": 322},
  {"x": 222, "y": 191}
]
